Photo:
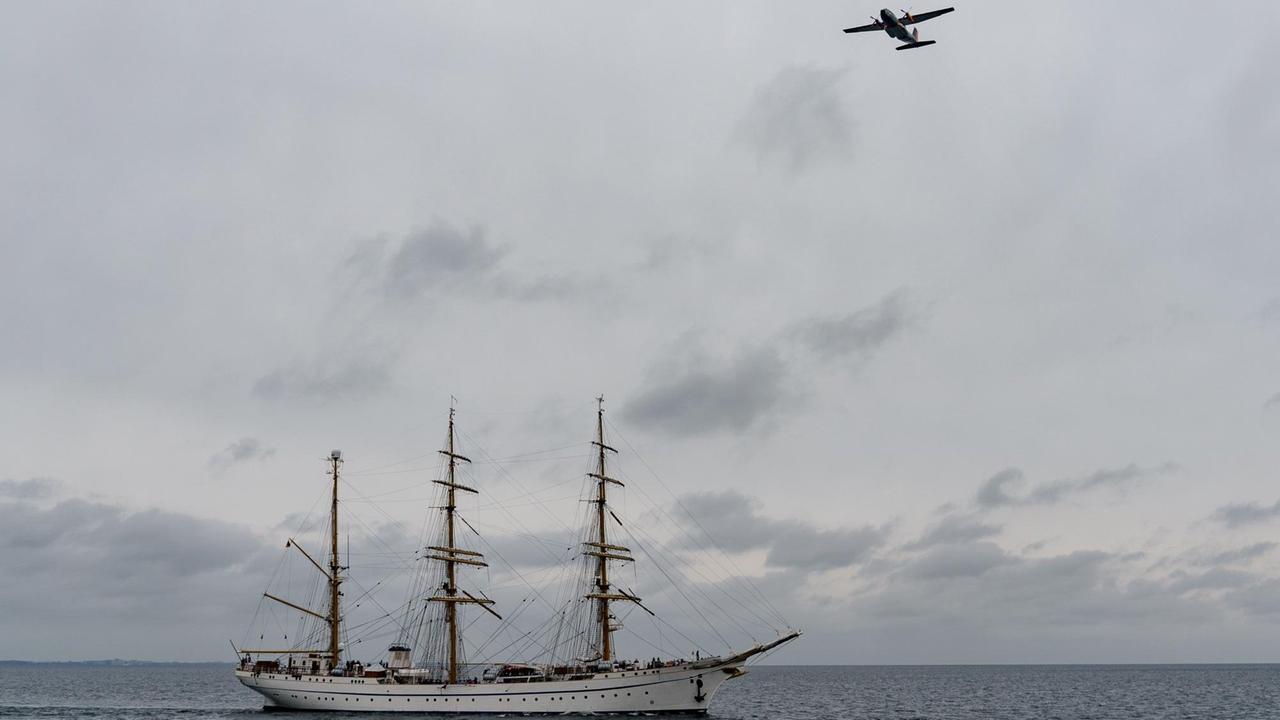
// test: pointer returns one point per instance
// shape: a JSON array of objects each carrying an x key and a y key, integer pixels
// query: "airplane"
[{"x": 896, "y": 27}]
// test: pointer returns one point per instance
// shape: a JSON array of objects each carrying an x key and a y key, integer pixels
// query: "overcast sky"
[{"x": 967, "y": 354}]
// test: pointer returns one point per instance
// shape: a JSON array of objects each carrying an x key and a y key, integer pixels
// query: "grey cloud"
[
  {"x": 541, "y": 287},
  {"x": 29, "y": 489},
  {"x": 444, "y": 258},
  {"x": 176, "y": 544},
  {"x": 980, "y": 590},
  {"x": 30, "y": 528},
  {"x": 668, "y": 251},
  {"x": 290, "y": 522},
  {"x": 1272, "y": 402},
  {"x": 698, "y": 396},
  {"x": 353, "y": 379},
  {"x": 1053, "y": 492},
  {"x": 1036, "y": 546},
  {"x": 242, "y": 450},
  {"x": 954, "y": 529},
  {"x": 101, "y": 579},
  {"x": 691, "y": 394},
  {"x": 859, "y": 334},
  {"x": 1262, "y": 598},
  {"x": 1071, "y": 589},
  {"x": 1081, "y": 588},
  {"x": 439, "y": 257},
  {"x": 1063, "y": 570},
  {"x": 798, "y": 119},
  {"x": 799, "y": 546},
  {"x": 1238, "y": 555},
  {"x": 524, "y": 551},
  {"x": 1237, "y": 515},
  {"x": 1214, "y": 579},
  {"x": 958, "y": 561},
  {"x": 731, "y": 520},
  {"x": 995, "y": 491},
  {"x": 728, "y": 516}
]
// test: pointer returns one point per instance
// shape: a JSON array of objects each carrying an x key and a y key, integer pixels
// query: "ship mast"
[
  {"x": 333, "y": 576},
  {"x": 452, "y": 555},
  {"x": 599, "y": 548},
  {"x": 335, "y": 459}
]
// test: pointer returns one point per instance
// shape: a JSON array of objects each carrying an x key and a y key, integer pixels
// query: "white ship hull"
[{"x": 683, "y": 688}]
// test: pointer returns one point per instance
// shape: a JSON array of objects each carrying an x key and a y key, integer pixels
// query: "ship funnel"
[{"x": 399, "y": 657}]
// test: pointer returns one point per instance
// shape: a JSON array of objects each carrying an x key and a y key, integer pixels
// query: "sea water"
[{"x": 1013, "y": 692}]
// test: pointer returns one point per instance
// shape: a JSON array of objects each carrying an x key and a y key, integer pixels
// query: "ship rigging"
[{"x": 567, "y": 663}]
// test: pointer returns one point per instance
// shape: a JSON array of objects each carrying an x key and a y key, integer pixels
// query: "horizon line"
[{"x": 124, "y": 661}]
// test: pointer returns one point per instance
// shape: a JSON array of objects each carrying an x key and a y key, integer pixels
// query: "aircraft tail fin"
[{"x": 917, "y": 44}]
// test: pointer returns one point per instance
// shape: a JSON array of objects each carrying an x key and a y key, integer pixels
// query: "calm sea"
[{"x": 1063, "y": 692}]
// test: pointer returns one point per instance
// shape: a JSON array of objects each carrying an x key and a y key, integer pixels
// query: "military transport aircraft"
[{"x": 896, "y": 27}]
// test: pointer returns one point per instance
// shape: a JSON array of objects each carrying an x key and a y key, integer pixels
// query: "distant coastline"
[{"x": 114, "y": 662}]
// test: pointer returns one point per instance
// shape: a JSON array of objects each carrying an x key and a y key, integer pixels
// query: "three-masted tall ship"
[{"x": 424, "y": 669}]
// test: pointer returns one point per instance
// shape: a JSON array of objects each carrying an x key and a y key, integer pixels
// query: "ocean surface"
[{"x": 1061, "y": 692}]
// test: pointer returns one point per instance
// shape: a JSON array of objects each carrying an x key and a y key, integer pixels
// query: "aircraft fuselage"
[{"x": 894, "y": 28}]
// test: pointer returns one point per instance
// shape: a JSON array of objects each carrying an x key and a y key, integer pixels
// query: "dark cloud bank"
[
  {"x": 690, "y": 393},
  {"x": 101, "y": 580},
  {"x": 732, "y": 519}
]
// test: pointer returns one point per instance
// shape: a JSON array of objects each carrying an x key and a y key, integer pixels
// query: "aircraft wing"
[
  {"x": 866, "y": 28},
  {"x": 921, "y": 17}
]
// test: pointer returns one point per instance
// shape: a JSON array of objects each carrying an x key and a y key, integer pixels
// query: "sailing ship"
[{"x": 436, "y": 678}]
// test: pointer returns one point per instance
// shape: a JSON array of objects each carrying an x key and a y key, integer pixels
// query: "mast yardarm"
[
  {"x": 600, "y": 548},
  {"x": 452, "y": 555}
]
